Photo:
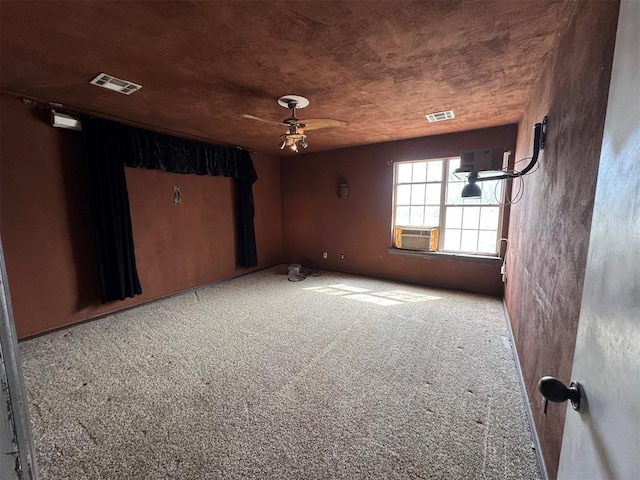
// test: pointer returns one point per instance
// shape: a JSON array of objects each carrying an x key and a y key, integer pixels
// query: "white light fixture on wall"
[{"x": 61, "y": 120}]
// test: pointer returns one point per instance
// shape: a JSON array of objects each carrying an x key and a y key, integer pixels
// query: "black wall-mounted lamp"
[{"x": 472, "y": 189}]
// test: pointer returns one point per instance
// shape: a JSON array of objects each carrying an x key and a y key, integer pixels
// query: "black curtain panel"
[
  {"x": 244, "y": 218},
  {"x": 111, "y": 147},
  {"x": 106, "y": 149}
]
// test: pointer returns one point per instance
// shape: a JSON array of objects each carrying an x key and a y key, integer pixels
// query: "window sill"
[{"x": 452, "y": 257}]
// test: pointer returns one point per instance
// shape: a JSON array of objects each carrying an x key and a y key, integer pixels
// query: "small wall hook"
[
  {"x": 177, "y": 196},
  {"x": 343, "y": 191}
]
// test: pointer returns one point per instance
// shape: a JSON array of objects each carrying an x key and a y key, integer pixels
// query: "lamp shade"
[{"x": 471, "y": 190}]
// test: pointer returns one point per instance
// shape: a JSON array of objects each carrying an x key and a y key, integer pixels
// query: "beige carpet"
[{"x": 334, "y": 377}]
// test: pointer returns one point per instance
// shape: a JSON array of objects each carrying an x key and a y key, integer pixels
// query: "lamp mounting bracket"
[
  {"x": 543, "y": 133},
  {"x": 538, "y": 143}
]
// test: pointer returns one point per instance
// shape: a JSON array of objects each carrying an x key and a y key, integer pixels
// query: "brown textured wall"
[
  {"x": 315, "y": 220},
  {"x": 48, "y": 236},
  {"x": 549, "y": 228}
]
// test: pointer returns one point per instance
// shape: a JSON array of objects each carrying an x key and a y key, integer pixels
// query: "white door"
[
  {"x": 603, "y": 441},
  {"x": 17, "y": 453}
]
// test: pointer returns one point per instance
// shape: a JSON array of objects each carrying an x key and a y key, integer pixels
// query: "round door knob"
[{"x": 554, "y": 390}]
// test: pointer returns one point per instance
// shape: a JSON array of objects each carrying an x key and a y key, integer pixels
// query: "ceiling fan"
[{"x": 295, "y": 136}]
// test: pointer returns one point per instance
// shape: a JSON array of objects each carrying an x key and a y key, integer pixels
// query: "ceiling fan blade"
[
  {"x": 318, "y": 123},
  {"x": 271, "y": 122}
]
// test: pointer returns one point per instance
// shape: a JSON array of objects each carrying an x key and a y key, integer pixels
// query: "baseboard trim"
[{"x": 527, "y": 406}]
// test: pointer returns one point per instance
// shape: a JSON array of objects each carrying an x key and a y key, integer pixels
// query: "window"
[{"x": 428, "y": 196}]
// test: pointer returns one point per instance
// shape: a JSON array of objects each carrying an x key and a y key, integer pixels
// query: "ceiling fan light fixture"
[
  {"x": 293, "y": 141},
  {"x": 295, "y": 136}
]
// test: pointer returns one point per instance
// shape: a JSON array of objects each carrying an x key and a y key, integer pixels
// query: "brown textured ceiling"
[{"x": 380, "y": 65}]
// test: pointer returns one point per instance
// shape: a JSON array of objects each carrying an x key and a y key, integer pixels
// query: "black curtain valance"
[{"x": 111, "y": 146}]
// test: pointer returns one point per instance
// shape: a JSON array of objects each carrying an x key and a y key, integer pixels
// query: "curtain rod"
[{"x": 81, "y": 111}]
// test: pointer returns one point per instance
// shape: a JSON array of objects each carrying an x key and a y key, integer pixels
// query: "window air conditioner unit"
[
  {"x": 425, "y": 240},
  {"x": 481, "y": 160}
]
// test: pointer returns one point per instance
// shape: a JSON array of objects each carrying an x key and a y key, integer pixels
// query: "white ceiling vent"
[
  {"x": 440, "y": 116},
  {"x": 116, "y": 84}
]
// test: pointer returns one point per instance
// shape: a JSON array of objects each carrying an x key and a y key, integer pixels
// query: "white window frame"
[{"x": 446, "y": 161}]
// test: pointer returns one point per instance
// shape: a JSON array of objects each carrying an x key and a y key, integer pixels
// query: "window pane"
[
  {"x": 434, "y": 173},
  {"x": 417, "y": 216},
  {"x": 487, "y": 241},
  {"x": 404, "y": 172},
  {"x": 469, "y": 241},
  {"x": 470, "y": 217},
  {"x": 404, "y": 195},
  {"x": 453, "y": 176},
  {"x": 417, "y": 194},
  {"x": 433, "y": 194},
  {"x": 454, "y": 192},
  {"x": 457, "y": 177},
  {"x": 452, "y": 239},
  {"x": 402, "y": 215},
  {"x": 489, "y": 217},
  {"x": 454, "y": 217},
  {"x": 491, "y": 191},
  {"x": 432, "y": 216},
  {"x": 419, "y": 172}
]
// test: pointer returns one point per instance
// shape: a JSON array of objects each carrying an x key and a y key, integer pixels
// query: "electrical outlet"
[
  {"x": 324, "y": 255},
  {"x": 342, "y": 256}
]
